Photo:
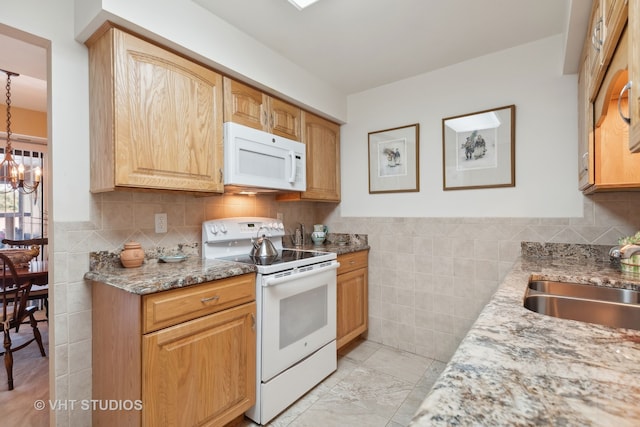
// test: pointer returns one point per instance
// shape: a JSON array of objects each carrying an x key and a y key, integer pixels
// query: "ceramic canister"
[{"x": 132, "y": 255}]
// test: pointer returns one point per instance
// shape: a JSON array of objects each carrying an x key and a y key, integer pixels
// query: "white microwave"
[{"x": 255, "y": 159}]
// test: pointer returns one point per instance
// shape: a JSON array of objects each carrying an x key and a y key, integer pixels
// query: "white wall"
[
  {"x": 51, "y": 27},
  {"x": 528, "y": 76}
]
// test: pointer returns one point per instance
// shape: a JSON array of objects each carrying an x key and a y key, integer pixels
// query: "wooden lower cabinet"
[
  {"x": 352, "y": 295},
  {"x": 196, "y": 372}
]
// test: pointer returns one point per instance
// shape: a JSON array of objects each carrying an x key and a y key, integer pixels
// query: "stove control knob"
[
  {"x": 280, "y": 226},
  {"x": 223, "y": 228},
  {"x": 214, "y": 229}
]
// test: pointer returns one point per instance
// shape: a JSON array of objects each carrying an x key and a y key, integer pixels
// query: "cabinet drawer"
[
  {"x": 352, "y": 261},
  {"x": 169, "y": 308}
]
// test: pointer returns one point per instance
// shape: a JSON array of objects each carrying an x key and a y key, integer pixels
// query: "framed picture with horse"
[
  {"x": 479, "y": 149},
  {"x": 393, "y": 159}
]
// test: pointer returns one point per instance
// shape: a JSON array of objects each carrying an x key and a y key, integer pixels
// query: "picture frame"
[
  {"x": 478, "y": 149},
  {"x": 393, "y": 160}
]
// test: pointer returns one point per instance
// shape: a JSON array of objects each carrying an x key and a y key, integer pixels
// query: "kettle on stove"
[{"x": 263, "y": 247}]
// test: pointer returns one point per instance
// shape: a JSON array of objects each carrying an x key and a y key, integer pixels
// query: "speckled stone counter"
[
  {"x": 520, "y": 368},
  {"x": 338, "y": 243},
  {"x": 154, "y": 276}
]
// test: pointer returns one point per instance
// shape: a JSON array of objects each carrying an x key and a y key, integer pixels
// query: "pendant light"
[{"x": 12, "y": 173}]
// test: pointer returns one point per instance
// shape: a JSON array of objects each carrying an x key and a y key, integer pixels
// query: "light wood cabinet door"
[
  {"x": 198, "y": 371},
  {"x": 615, "y": 167},
  {"x": 156, "y": 118},
  {"x": 585, "y": 128},
  {"x": 285, "y": 119},
  {"x": 634, "y": 75},
  {"x": 352, "y": 298},
  {"x": 322, "y": 140},
  {"x": 595, "y": 42},
  {"x": 608, "y": 19},
  {"x": 251, "y": 107},
  {"x": 244, "y": 105},
  {"x": 201, "y": 372}
]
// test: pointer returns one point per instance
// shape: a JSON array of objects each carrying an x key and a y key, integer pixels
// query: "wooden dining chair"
[
  {"x": 39, "y": 291},
  {"x": 15, "y": 310}
]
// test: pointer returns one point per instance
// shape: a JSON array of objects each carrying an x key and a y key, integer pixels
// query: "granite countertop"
[
  {"x": 339, "y": 243},
  {"x": 154, "y": 276},
  {"x": 517, "y": 367}
]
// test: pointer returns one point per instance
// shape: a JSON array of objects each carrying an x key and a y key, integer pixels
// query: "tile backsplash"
[{"x": 428, "y": 277}]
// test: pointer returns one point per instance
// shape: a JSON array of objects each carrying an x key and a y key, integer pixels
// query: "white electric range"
[{"x": 296, "y": 310}]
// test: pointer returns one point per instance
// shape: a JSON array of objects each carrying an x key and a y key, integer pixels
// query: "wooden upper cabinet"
[
  {"x": 322, "y": 140},
  {"x": 251, "y": 107},
  {"x": 634, "y": 75},
  {"x": 585, "y": 128},
  {"x": 608, "y": 19},
  {"x": 156, "y": 117}
]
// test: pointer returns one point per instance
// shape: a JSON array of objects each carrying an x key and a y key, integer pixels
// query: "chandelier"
[{"x": 12, "y": 173}]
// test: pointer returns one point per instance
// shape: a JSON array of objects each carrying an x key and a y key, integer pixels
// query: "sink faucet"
[
  {"x": 627, "y": 251},
  {"x": 302, "y": 232}
]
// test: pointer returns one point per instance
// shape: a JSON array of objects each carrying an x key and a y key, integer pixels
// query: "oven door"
[{"x": 298, "y": 317}]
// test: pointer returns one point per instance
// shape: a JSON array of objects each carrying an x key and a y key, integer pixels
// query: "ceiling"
[
  {"x": 29, "y": 89},
  {"x": 356, "y": 45}
]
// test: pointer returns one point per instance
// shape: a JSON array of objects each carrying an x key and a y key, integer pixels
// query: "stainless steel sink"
[
  {"x": 577, "y": 290},
  {"x": 617, "y": 308}
]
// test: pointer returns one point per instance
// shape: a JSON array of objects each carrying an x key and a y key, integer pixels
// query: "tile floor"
[{"x": 374, "y": 385}]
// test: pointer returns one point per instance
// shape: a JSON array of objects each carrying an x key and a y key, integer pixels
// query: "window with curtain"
[{"x": 22, "y": 216}]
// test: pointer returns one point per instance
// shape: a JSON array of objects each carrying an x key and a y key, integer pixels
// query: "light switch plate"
[{"x": 161, "y": 223}]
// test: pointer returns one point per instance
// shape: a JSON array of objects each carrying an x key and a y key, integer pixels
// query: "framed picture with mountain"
[
  {"x": 478, "y": 149},
  {"x": 393, "y": 160}
]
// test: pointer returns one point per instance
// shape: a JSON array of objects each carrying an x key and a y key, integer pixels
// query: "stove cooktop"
[{"x": 284, "y": 256}]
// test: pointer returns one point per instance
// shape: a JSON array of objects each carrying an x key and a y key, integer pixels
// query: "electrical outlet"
[
  {"x": 280, "y": 216},
  {"x": 161, "y": 223}
]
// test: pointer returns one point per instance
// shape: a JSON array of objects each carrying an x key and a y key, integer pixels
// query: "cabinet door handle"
[
  {"x": 253, "y": 322},
  {"x": 626, "y": 87},
  {"x": 221, "y": 175},
  {"x": 208, "y": 299},
  {"x": 585, "y": 162},
  {"x": 596, "y": 40}
]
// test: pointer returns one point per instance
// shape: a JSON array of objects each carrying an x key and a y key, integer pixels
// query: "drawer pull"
[
  {"x": 213, "y": 298},
  {"x": 352, "y": 262}
]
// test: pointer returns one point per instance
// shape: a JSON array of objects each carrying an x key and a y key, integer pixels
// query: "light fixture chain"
[{"x": 8, "y": 88}]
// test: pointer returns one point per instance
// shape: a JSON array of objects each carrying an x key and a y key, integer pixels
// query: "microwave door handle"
[{"x": 292, "y": 178}]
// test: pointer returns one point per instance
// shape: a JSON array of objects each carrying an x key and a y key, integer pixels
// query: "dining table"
[{"x": 37, "y": 273}]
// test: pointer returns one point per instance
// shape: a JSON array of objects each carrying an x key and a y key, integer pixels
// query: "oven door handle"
[{"x": 272, "y": 281}]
